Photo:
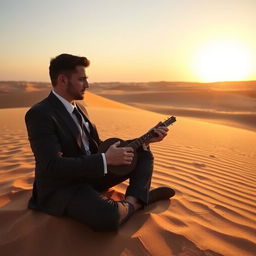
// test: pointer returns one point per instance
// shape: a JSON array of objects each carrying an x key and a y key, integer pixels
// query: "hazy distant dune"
[
  {"x": 216, "y": 100},
  {"x": 230, "y": 103},
  {"x": 22, "y": 94}
]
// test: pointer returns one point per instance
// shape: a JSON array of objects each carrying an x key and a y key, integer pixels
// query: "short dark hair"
[{"x": 65, "y": 64}]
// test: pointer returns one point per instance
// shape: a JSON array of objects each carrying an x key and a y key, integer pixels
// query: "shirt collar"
[{"x": 70, "y": 107}]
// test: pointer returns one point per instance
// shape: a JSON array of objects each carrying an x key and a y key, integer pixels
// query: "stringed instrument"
[{"x": 122, "y": 170}]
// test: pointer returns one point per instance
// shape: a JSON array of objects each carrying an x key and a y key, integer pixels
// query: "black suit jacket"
[{"x": 61, "y": 162}]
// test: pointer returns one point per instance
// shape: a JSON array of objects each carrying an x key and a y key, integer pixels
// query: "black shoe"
[{"x": 161, "y": 193}]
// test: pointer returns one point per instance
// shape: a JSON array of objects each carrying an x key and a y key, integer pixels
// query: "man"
[{"x": 70, "y": 174}]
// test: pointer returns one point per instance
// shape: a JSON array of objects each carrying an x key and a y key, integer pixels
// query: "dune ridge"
[
  {"x": 230, "y": 103},
  {"x": 211, "y": 167}
]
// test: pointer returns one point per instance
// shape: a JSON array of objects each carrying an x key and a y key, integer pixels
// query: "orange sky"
[{"x": 177, "y": 40}]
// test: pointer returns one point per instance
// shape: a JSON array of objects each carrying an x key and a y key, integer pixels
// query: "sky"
[{"x": 130, "y": 40}]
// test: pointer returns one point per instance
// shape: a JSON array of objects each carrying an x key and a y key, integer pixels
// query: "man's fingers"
[
  {"x": 116, "y": 144},
  {"x": 161, "y": 133},
  {"x": 163, "y": 128},
  {"x": 129, "y": 161},
  {"x": 129, "y": 157},
  {"x": 128, "y": 153},
  {"x": 128, "y": 149}
]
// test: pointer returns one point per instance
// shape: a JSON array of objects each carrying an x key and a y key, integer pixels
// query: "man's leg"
[
  {"x": 140, "y": 178},
  {"x": 98, "y": 212},
  {"x": 102, "y": 214}
]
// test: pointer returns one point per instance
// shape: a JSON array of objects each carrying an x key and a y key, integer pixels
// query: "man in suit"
[{"x": 70, "y": 174}]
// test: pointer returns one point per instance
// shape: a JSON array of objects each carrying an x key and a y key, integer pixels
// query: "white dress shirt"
[{"x": 70, "y": 108}]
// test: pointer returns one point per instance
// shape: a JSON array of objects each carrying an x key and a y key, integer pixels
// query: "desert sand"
[
  {"x": 229, "y": 103},
  {"x": 212, "y": 167}
]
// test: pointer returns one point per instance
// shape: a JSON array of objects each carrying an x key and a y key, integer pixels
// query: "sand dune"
[
  {"x": 229, "y": 103},
  {"x": 212, "y": 167}
]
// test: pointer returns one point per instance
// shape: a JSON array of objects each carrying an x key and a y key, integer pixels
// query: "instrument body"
[
  {"x": 118, "y": 170},
  {"x": 123, "y": 170}
]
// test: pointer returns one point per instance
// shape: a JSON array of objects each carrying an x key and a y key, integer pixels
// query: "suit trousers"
[{"x": 90, "y": 207}]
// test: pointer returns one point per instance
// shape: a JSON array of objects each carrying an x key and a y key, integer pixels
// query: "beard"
[{"x": 76, "y": 95}]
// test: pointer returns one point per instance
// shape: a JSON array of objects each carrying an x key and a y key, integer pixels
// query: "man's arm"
[{"x": 48, "y": 153}]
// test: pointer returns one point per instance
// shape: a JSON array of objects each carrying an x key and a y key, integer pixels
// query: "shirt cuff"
[{"x": 104, "y": 163}]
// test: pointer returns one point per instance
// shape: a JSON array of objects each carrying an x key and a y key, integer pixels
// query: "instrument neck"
[{"x": 135, "y": 144}]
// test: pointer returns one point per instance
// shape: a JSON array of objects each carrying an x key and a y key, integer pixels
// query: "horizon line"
[{"x": 134, "y": 82}]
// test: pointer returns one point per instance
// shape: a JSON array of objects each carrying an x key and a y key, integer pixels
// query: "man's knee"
[
  {"x": 148, "y": 155},
  {"x": 107, "y": 217},
  {"x": 112, "y": 216}
]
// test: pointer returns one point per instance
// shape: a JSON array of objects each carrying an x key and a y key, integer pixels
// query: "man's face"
[{"x": 77, "y": 84}]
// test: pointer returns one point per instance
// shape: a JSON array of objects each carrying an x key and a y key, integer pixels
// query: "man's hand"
[
  {"x": 161, "y": 131},
  {"x": 119, "y": 155}
]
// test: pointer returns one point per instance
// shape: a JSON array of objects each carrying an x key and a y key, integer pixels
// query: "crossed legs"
[{"x": 89, "y": 206}]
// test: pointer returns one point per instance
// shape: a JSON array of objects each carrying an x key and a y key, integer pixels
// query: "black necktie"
[
  {"x": 92, "y": 144},
  {"x": 79, "y": 117}
]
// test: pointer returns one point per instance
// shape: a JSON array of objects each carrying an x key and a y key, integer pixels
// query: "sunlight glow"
[{"x": 223, "y": 61}]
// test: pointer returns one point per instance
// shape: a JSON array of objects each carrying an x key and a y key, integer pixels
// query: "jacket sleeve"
[{"x": 47, "y": 150}]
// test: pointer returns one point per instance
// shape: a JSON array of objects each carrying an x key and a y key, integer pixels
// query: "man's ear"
[{"x": 62, "y": 80}]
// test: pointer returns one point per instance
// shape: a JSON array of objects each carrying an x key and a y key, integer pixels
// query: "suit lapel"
[{"x": 63, "y": 114}]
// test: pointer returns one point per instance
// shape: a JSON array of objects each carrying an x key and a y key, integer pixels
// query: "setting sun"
[{"x": 223, "y": 61}]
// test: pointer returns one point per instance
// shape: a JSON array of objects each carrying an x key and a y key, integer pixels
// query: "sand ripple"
[{"x": 212, "y": 213}]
